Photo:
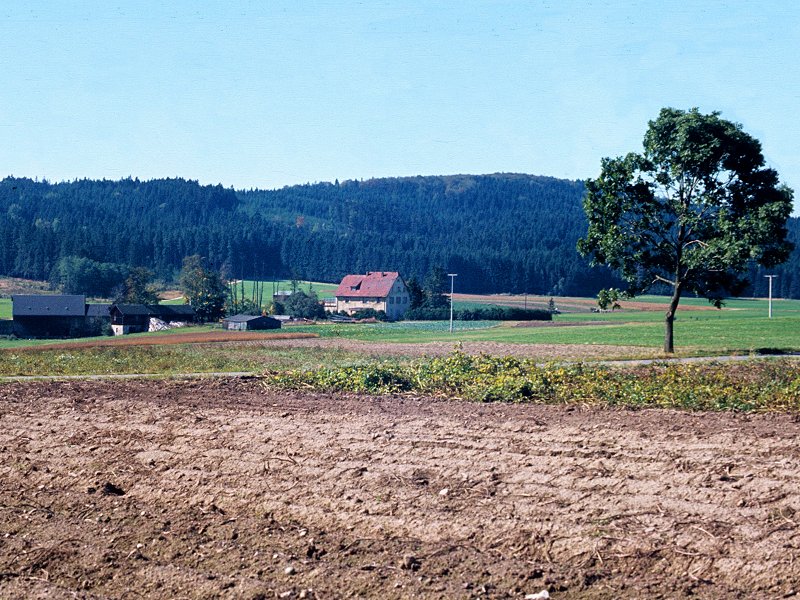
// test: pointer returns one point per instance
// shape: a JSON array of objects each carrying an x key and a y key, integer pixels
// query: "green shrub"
[
  {"x": 424, "y": 313},
  {"x": 370, "y": 313},
  {"x": 493, "y": 313},
  {"x": 752, "y": 386}
]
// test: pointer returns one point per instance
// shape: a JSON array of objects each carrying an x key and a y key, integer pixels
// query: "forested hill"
[
  {"x": 498, "y": 232},
  {"x": 502, "y": 232}
]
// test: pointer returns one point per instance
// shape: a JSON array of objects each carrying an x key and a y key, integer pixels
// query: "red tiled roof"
[{"x": 376, "y": 284}]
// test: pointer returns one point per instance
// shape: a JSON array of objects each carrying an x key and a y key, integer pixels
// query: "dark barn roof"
[
  {"x": 252, "y": 322},
  {"x": 132, "y": 309},
  {"x": 243, "y": 318},
  {"x": 98, "y": 310},
  {"x": 161, "y": 311},
  {"x": 41, "y": 305},
  {"x": 173, "y": 311}
]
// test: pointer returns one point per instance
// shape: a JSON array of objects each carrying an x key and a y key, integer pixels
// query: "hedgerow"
[
  {"x": 489, "y": 313},
  {"x": 753, "y": 386}
]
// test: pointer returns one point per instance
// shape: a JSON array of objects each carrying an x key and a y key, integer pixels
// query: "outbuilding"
[{"x": 249, "y": 323}]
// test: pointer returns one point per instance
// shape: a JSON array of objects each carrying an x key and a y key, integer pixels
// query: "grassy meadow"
[
  {"x": 323, "y": 290},
  {"x": 741, "y": 327}
]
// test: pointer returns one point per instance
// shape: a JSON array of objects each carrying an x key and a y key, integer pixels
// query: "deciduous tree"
[
  {"x": 690, "y": 212},
  {"x": 203, "y": 288},
  {"x": 139, "y": 288}
]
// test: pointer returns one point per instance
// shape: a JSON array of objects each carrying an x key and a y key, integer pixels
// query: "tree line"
[{"x": 500, "y": 233}]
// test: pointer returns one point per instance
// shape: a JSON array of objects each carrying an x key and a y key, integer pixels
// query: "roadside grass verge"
[{"x": 752, "y": 386}]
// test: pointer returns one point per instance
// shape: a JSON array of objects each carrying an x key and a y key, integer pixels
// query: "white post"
[
  {"x": 770, "y": 277},
  {"x": 452, "y": 277}
]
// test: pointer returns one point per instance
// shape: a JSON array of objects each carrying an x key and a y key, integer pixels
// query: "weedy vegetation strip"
[{"x": 769, "y": 385}]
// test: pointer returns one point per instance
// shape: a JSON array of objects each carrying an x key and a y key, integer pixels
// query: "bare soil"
[
  {"x": 171, "y": 339},
  {"x": 368, "y": 348},
  {"x": 225, "y": 489}
]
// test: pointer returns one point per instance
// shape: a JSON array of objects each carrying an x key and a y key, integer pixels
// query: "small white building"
[{"x": 379, "y": 290}]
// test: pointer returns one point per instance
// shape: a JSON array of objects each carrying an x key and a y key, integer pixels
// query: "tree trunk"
[{"x": 669, "y": 320}]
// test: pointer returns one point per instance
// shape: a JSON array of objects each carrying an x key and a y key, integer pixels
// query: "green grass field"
[
  {"x": 323, "y": 290},
  {"x": 740, "y": 327}
]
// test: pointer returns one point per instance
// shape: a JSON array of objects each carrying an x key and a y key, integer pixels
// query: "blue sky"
[{"x": 271, "y": 93}]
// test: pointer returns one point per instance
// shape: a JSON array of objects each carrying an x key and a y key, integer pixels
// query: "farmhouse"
[
  {"x": 249, "y": 322},
  {"x": 379, "y": 290}
]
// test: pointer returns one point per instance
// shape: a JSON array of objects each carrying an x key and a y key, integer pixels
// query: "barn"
[
  {"x": 249, "y": 323},
  {"x": 135, "y": 318},
  {"x": 48, "y": 316}
]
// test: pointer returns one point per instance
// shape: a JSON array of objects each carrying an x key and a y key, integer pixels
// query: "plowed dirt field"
[{"x": 225, "y": 489}]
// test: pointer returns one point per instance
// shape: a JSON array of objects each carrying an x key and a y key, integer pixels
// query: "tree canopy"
[
  {"x": 301, "y": 305},
  {"x": 203, "y": 288},
  {"x": 138, "y": 287},
  {"x": 691, "y": 212}
]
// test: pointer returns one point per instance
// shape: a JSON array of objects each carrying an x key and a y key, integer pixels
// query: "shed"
[{"x": 249, "y": 322}]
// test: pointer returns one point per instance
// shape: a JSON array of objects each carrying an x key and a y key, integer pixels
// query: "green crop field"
[{"x": 5, "y": 308}]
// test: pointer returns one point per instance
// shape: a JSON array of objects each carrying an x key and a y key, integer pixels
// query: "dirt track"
[{"x": 234, "y": 491}]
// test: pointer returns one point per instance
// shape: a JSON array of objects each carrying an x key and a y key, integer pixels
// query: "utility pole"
[
  {"x": 770, "y": 277},
  {"x": 452, "y": 277}
]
